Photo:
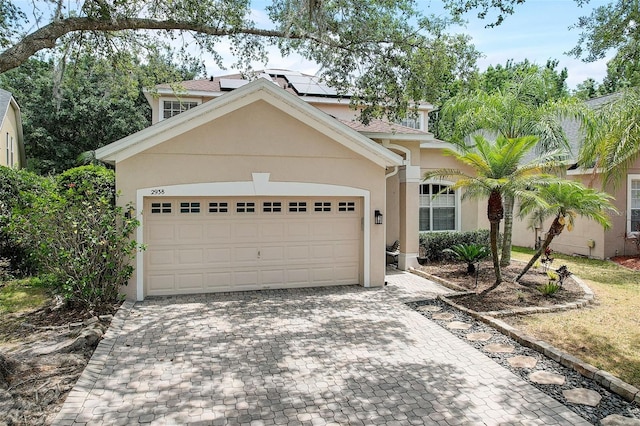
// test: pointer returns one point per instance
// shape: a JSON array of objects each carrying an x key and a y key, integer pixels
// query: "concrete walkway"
[{"x": 345, "y": 355}]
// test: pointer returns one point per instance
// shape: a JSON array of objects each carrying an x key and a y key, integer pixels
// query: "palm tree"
[
  {"x": 565, "y": 200},
  {"x": 612, "y": 142},
  {"x": 518, "y": 110},
  {"x": 498, "y": 170}
]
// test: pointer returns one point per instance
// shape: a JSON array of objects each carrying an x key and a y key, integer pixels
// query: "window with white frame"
[
  {"x": 633, "y": 223},
  {"x": 175, "y": 107},
  {"x": 8, "y": 146},
  {"x": 413, "y": 122},
  {"x": 438, "y": 204},
  {"x": 11, "y": 145}
]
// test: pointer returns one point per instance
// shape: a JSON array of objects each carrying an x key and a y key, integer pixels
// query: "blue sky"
[{"x": 539, "y": 30}]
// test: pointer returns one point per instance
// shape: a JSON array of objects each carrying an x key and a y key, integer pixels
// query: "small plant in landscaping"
[
  {"x": 562, "y": 273},
  {"x": 470, "y": 253},
  {"x": 536, "y": 265},
  {"x": 550, "y": 288}
]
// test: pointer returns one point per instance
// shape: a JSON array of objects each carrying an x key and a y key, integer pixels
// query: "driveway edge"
[{"x": 74, "y": 401}]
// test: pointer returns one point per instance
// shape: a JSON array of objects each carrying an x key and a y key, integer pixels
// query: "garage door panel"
[
  {"x": 346, "y": 251},
  {"x": 296, "y": 231},
  {"x": 297, "y": 252},
  {"x": 322, "y": 252},
  {"x": 345, "y": 274},
  {"x": 245, "y": 254},
  {"x": 272, "y": 254},
  {"x": 246, "y": 231},
  {"x": 272, "y": 231},
  {"x": 245, "y": 278},
  {"x": 218, "y": 281},
  {"x": 161, "y": 283},
  {"x": 190, "y": 282},
  {"x": 162, "y": 234},
  {"x": 272, "y": 277},
  {"x": 190, "y": 256},
  {"x": 160, "y": 257},
  {"x": 212, "y": 251},
  {"x": 217, "y": 256},
  {"x": 298, "y": 276},
  {"x": 189, "y": 233},
  {"x": 218, "y": 231}
]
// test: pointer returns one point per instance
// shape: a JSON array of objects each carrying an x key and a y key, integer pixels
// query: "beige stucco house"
[
  {"x": 11, "y": 141},
  {"x": 588, "y": 238},
  {"x": 272, "y": 183}
]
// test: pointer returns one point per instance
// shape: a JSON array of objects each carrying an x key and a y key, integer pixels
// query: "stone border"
[
  {"x": 461, "y": 291},
  {"x": 605, "y": 379},
  {"x": 74, "y": 401}
]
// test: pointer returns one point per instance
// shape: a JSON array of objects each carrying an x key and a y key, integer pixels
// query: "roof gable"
[{"x": 260, "y": 89}]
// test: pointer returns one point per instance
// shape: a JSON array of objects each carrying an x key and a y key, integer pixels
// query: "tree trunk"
[
  {"x": 495, "y": 230},
  {"x": 507, "y": 236},
  {"x": 554, "y": 230},
  {"x": 495, "y": 213}
]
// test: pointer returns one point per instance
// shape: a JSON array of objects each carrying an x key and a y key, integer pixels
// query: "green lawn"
[
  {"x": 607, "y": 333},
  {"x": 22, "y": 295}
]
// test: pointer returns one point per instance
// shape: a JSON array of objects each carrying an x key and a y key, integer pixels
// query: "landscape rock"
[
  {"x": 618, "y": 420},
  {"x": 546, "y": 378},
  {"x": 499, "y": 348},
  {"x": 459, "y": 325},
  {"x": 522, "y": 361},
  {"x": 582, "y": 396},
  {"x": 479, "y": 337}
]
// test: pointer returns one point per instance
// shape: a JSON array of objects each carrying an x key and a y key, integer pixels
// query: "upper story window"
[
  {"x": 413, "y": 122},
  {"x": 438, "y": 207},
  {"x": 175, "y": 107}
]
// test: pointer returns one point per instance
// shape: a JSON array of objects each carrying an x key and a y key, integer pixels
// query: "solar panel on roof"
[{"x": 232, "y": 83}]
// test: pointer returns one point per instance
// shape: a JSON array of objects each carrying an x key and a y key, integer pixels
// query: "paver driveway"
[{"x": 344, "y": 355}]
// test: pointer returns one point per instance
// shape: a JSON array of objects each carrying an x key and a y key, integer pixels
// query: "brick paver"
[{"x": 344, "y": 355}]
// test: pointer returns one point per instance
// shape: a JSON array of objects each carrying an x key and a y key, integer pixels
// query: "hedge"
[{"x": 433, "y": 243}]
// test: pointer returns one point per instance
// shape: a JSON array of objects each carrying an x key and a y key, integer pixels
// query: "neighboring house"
[
  {"x": 11, "y": 141},
  {"x": 588, "y": 238},
  {"x": 273, "y": 183}
]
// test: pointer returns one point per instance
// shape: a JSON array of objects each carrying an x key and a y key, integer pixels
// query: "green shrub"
[
  {"x": 87, "y": 183},
  {"x": 83, "y": 241},
  {"x": 434, "y": 243},
  {"x": 470, "y": 253},
  {"x": 16, "y": 187},
  {"x": 77, "y": 234}
]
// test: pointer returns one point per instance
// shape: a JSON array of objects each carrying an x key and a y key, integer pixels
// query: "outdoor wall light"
[{"x": 378, "y": 216}]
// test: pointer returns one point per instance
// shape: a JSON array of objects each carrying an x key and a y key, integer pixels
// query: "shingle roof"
[
  {"x": 381, "y": 126},
  {"x": 572, "y": 129},
  {"x": 5, "y": 100}
]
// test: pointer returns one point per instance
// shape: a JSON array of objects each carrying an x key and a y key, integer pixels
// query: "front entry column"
[{"x": 409, "y": 215}]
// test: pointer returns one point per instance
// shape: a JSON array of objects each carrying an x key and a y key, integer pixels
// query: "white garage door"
[{"x": 206, "y": 244}]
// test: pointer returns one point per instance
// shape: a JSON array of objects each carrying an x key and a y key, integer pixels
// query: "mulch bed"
[{"x": 509, "y": 294}]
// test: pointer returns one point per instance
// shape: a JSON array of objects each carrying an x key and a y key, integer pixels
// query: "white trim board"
[{"x": 259, "y": 186}]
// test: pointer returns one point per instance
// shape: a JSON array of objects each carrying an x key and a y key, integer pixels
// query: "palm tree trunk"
[
  {"x": 495, "y": 213},
  {"x": 507, "y": 236},
  {"x": 495, "y": 230},
  {"x": 554, "y": 230}
]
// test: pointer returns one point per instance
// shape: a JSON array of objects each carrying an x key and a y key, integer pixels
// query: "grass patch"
[
  {"x": 605, "y": 334},
  {"x": 22, "y": 295}
]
